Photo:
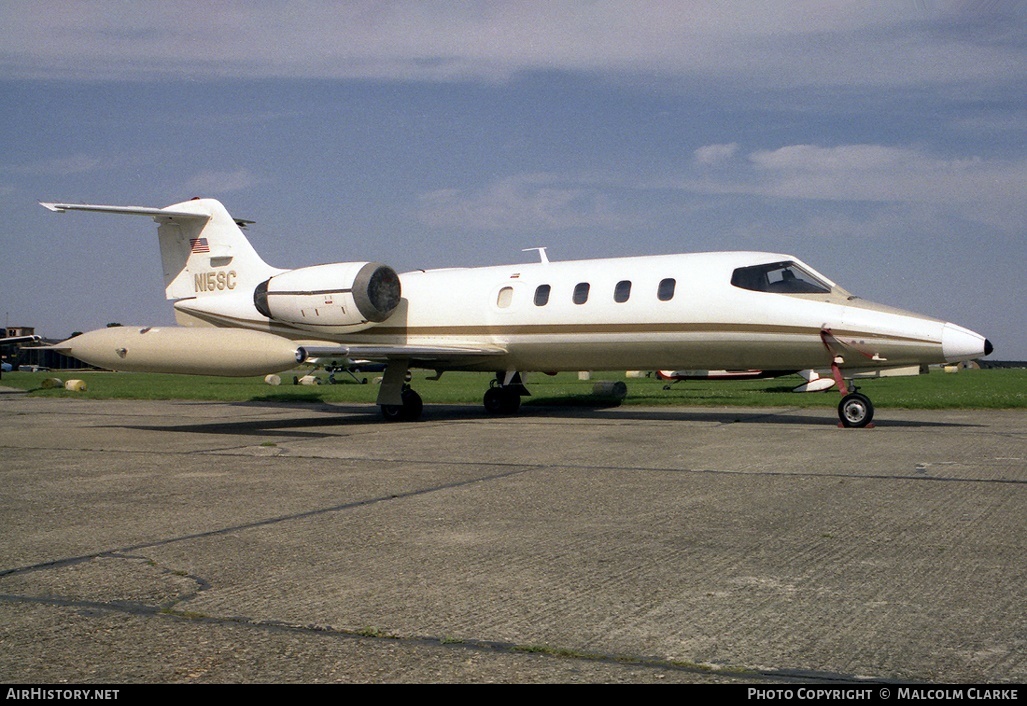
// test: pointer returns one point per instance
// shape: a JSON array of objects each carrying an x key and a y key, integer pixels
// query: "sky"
[{"x": 881, "y": 143}]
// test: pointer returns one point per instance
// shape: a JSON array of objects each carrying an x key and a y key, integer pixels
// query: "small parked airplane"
[
  {"x": 20, "y": 339},
  {"x": 240, "y": 316},
  {"x": 15, "y": 340}
]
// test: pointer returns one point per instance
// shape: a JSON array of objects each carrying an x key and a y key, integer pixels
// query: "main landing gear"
[
  {"x": 504, "y": 394},
  {"x": 409, "y": 410},
  {"x": 501, "y": 400},
  {"x": 399, "y": 403}
]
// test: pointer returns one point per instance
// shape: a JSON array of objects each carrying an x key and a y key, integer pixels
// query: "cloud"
[
  {"x": 212, "y": 183},
  {"x": 540, "y": 202},
  {"x": 887, "y": 184},
  {"x": 992, "y": 191},
  {"x": 715, "y": 154},
  {"x": 63, "y": 166},
  {"x": 881, "y": 173},
  {"x": 788, "y": 43}
]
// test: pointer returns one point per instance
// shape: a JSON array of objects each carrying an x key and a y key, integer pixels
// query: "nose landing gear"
[{"x": 855, "y": 410}]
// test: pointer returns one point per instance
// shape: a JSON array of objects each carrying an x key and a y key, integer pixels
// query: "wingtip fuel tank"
[{"x": 195, "y": 351}]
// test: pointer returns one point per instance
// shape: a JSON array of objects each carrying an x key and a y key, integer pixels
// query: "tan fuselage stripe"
[
  {"x": 599, "y": 329},
  {"x": 564, "y": 329}
]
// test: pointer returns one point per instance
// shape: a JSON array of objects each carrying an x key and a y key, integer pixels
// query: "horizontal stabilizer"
[
  {"x": 135, "y": 211},
  {"x": 124, "y": 210},
  {"x": 202, "y": 247}
]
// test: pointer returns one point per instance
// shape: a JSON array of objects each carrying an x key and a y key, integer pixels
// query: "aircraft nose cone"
[{"x": 958, "y": 343}]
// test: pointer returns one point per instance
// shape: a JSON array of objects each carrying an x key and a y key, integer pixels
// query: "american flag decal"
[{"x": 198, "y": 245}]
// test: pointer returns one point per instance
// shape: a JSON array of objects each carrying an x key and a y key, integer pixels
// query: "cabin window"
[
  {"x": 665, "y": 292},
  {"x": 581, "y": 292},
  {"x": 622, "y": 291},
  {"x": 505, "y": 297},
  {"x": 542, "y": 295},
  {"x": 779, "y": 277}
]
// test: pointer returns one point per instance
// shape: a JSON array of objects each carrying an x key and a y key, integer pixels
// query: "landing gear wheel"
[
  {"x": 501, "y": 400},
  {"x": 409, "y": 411},
  {"x": 855, "y": 410}
]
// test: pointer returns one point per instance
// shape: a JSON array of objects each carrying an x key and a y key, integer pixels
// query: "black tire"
[
  {"x": 501, "y": 400},
  {"x": 392, "y": 412},
  {"x": 855, "y": 410},
  {"x": 409, "y": 411},
  {"x": 493, "y": 400},
  {"x": 412, "y": 406},
  {"x": 511, "y": 401}
]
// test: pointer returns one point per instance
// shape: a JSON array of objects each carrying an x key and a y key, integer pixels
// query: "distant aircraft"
[
  {"x": 240, "y": 316},
  {"x": 9, "y": 340},
  {"x": 20, "y": 339}
]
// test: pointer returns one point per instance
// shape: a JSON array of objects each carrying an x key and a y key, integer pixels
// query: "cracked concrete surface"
[{"x": 210, "y": 542}]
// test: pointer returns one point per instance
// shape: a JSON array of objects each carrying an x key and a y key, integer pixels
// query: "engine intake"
[{"x": 337, "y": 298}]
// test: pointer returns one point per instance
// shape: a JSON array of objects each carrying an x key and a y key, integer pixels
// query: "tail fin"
[
  {"x": 202, "y": 248},
  {"x": 208, "y": 256}
]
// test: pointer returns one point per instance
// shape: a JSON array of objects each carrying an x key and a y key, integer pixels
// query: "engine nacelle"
[{"x": 337, "y": 298}]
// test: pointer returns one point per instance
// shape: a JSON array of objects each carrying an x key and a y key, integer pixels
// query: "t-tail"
[{"x": 202, "y": 248}]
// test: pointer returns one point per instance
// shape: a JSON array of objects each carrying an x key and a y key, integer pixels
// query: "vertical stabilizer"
[{"x": 206, "y": 256}]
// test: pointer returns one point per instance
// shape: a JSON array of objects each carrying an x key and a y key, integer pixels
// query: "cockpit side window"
[{"x": 780, "y": 278}]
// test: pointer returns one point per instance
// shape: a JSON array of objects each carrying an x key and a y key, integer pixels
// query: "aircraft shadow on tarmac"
[{"x": 361, "y": 415}]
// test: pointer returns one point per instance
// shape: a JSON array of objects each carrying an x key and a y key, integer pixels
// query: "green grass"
[{"x": 967, "y": 389}]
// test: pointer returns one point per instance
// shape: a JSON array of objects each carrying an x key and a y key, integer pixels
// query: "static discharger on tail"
[{"x": 763, "y": 313}]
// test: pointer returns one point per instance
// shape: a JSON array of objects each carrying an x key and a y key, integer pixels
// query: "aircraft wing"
[{"x": 415, "y": 355}]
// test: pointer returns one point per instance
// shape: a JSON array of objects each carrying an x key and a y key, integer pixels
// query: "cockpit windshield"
[{"x": 779, "y": 277}]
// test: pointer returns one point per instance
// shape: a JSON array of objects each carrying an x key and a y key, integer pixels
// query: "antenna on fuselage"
[{"x": 541, "y": 253}]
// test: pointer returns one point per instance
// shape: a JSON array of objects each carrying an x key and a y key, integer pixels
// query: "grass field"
[{"x": 967, "y": 389}]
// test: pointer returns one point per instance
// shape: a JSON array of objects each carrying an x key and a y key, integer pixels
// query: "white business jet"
[{"x": 239, "y": 316}]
